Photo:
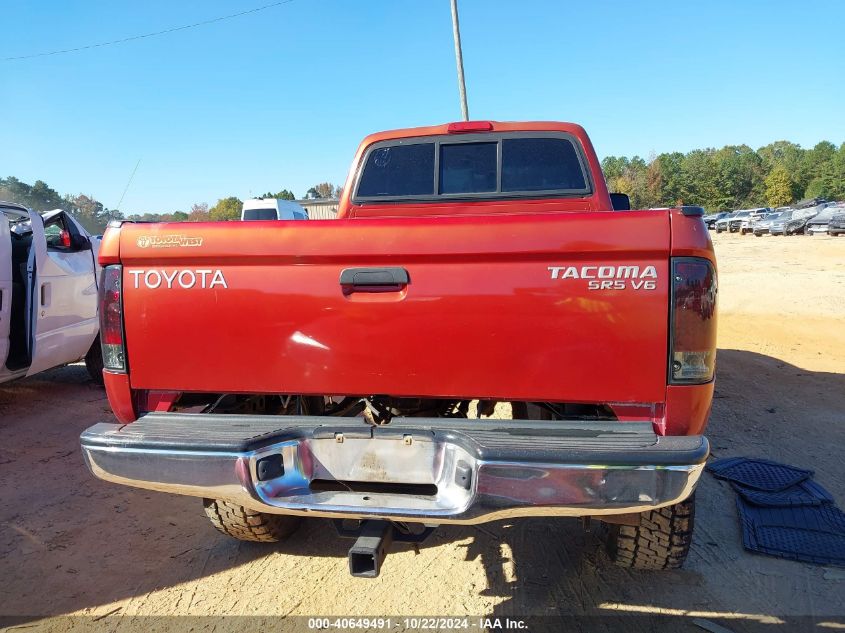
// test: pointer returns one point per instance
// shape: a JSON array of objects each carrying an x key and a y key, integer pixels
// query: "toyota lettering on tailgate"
[
  {"x": 202, "y": 278},
  {"x": 609, "y": 277}
]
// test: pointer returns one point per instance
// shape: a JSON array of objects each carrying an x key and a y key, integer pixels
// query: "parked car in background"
[
  {"x": 710, "y": 220},
  {"x": 272, "y": 209},
  {"x": 762, "y": 227},
  {"x": 807, "y": 213},
  {"x": 819, "y": 222},
  {"x": 735, "y": 223},
  {"x": 837, "y": 222},
  {"x": 788, "y": 223},
  {"x": 723, "y": 223},
  {"x": 748, "y": 221},
  {"x": 48, "y": 293}
]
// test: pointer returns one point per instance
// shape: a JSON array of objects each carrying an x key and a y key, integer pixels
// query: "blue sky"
[{"x": 280, "y": 98}]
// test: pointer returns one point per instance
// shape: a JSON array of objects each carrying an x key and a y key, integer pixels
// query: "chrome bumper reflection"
[{"x": 382, "y": 478}]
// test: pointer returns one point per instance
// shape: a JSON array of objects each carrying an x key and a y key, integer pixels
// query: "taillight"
[
  {"x": 111, "y": 319},
  {"x": 692, "y": 357}
]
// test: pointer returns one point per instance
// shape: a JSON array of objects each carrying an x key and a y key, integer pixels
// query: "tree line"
[
  {"x": 230, "y": 208},
  {"x": 94, "y": 216},
  {"x": 733, "y": 177},
  {"x": 40, "y": 196}
]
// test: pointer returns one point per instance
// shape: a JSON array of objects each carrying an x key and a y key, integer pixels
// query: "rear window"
[
  {"x": 399, "y": 170},
  {"x": 260, "y": 214},
  {"x": 479, "y": 165},
  {"x": 540, "y": 164},
  {"x": 468, "y": 167}
]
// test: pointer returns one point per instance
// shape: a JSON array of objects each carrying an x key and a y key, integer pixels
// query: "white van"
[
  {"x": 272, "y": 209},
  {"x": 48, "y": 293}
]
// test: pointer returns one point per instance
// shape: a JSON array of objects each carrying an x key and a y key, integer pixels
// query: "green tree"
[
  {"x": 44, "y": 198},
  {"x": 614, "y": 167},
  {"x": 284, "y": 194},
  {"x": 635, "y": 179},
  {"x": 39, "y": 196},
  {"x": 701, "y": 179},
  {"x": 779, "y": 187},
  {"x": 672, "y": 179},
  {"x": 829, "y": 181},
  {"x": 226, "y": 209},
  {"x": 739, "y": 177},
  {"x": 791, "y": 156},
  {"x": 814, "y": 162}
]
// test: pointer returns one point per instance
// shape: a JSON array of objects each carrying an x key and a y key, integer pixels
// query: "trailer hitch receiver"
[{"x": 367, "y": 554}]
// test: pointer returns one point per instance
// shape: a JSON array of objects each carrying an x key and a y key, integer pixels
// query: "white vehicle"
[
  {"x": 48, "y": 293},
  {"x": 272, "y": 209},
  {"x": 754, "y": 216}
]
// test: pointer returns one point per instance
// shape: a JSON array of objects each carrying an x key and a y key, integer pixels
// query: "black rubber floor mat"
[
  {"x": 805, "y": 493},
  {"x": 758, "y": 474},
  {"x": 813, "y": 534}
]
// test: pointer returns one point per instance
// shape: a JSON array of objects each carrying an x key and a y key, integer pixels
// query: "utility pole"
[{"x": 459, "y": 60}]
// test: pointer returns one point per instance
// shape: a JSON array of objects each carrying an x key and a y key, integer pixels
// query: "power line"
[
  {"x": 120, "y": 202},
  {"x": 145, "y": 35}
]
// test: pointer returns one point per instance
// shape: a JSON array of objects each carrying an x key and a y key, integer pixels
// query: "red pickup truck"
[{"x": 349, "y": 369}]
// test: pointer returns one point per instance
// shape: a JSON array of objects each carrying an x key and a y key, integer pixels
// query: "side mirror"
[{"x": 620, "y": 201}]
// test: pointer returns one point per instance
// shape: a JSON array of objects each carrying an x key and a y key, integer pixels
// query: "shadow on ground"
[{"x": 69, "y": 543}]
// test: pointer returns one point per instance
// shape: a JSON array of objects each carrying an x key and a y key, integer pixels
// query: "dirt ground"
[{"x": 70, "y": 544}]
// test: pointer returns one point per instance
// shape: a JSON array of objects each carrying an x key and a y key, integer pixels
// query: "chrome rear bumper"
[{"x": 422, "y": 470}]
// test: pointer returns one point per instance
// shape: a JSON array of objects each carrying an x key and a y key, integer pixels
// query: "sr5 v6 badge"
[{"x": 609, "y": 277}]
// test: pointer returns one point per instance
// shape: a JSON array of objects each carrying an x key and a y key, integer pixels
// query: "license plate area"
[
  {"x": 410, "y": 472},
  {"x": 401, "y": 459}
]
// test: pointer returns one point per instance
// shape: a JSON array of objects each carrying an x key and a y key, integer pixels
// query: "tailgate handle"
[{"x": 363, "y": 277}]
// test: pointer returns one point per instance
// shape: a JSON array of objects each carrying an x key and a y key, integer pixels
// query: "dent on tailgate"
[{"x": 496, "y": 309}]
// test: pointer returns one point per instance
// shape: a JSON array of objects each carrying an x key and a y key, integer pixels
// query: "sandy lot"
[{"x": 70, "y": 544}]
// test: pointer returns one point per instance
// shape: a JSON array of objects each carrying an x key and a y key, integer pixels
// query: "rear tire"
[
  {"x": 249, "y": 525},
  {"x": 94, "y": 361},
  {"x": 660, "y": 541}
]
